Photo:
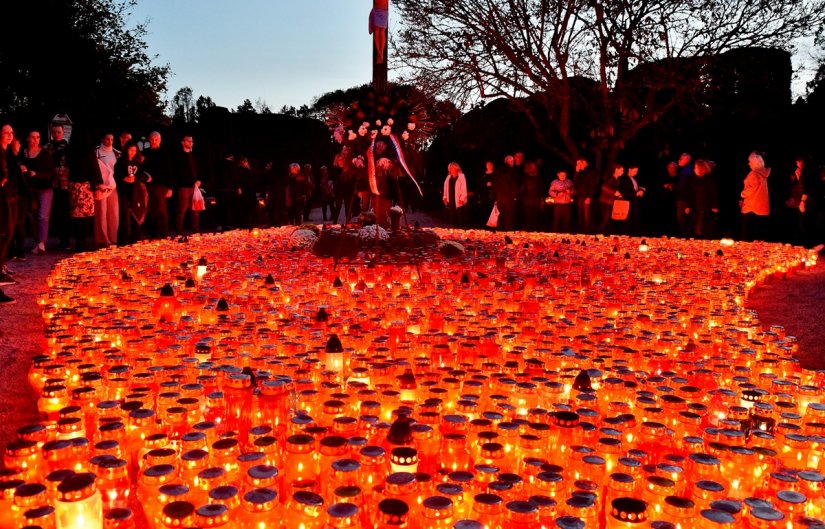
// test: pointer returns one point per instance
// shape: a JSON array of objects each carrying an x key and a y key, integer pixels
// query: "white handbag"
[{"x": 492, "y": 222}]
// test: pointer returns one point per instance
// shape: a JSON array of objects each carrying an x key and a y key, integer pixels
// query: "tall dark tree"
[
  {"x": 246, "y": 107},
  {"x": 184, "y": 111},
  {"x": 621, "y": 65},
  {"x": 96, "y": 68}
]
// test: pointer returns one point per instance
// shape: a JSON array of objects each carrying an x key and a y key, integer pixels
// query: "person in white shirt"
[
  {"x": 106, "y": 202},
  {"x": 455, "y": 194}
]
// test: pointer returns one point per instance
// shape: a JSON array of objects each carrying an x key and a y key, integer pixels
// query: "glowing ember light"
[{"x": 535, "y": 381}]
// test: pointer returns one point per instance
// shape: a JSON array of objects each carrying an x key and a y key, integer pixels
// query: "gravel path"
[
  {"x": 21, "y": 338},
  {"x": 797, "y": 303}
]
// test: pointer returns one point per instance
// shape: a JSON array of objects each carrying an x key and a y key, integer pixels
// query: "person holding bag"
[
  {"x": 187, "y": 182},
  {"x": 608, "y": 194},
  {"x": 106, "y": 199},
  {"x": 84, "y": 175}
]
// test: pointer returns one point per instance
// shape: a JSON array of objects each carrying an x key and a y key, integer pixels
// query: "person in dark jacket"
[
  {"x": 157, "y": 165},
  {"x": 132, "y": 195},
  {"x": 531, "y": 197},
  {"x": 187, "y": 178},
  {"x": 505, "y": 191},
  {"x": 586, "y": 183},
  {"x": 608, "y": 193},
  {"x": 84, "y": 176},
  {"x": 248, "y": 197},
  {"x": 37, "y": 166},
  {"x": 228, "y": 193},
  {"x": 703, "y": 200},
  {"x": 58, "y": 147},
  {"x": 8, "y": 207},
  {"x": 343, "y": 176}
]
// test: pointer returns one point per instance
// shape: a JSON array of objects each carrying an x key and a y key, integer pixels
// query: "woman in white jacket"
[{"x": 455, "y": 194}]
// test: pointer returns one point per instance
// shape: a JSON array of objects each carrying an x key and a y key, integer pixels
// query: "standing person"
[
  {"x": 586, "y": 183},
  {"x": 60, "y": 203},
  {"x": 296, "y": 194},
  {"x": 84, "y": 177},
  {"x": 664, "y": 200},
  {"x": 312, "y": 190},
  {"x": 132, "y": 195},
  {"x": 531, "y": 194},
  {"x": 454, "y": 195},
  {"x": 485, "y": 194},
  {"x": 342, "y": 175},
  {"x": 8, "y": 207},
  {"x": 228, "y": 192},
  {"x": 608, "y": 193},
  {"x": 25, "y": 198},
  {"x": 629, "y": 188},
  {"x": 325, "y": 192},
  {"x": 813, "y": 204},
  {"x": 684, "y": 174},
  {"x": 505, "y": 191},
  {"x": 156, "y": 165},
  {"x": 37, "y": 167},
  {"x": 795, "y": 203},
  {"x": 187, "y": 178},
  {"x": 755, "y": 203},
  {"x": 106, "y": 199},
  {"x": 275, "y": 189},
  {"x": 703, "y": 201},
  {"x": 560, "y": 197},
  {"x": 248, "y": 196},
  {"x": 124, "y": 139}
]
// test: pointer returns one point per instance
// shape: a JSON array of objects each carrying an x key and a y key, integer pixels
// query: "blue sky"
[{"x": 285, "y": 52}]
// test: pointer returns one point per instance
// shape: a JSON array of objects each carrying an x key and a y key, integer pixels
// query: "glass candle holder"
[
  {"x": 344, "y": 516},
  {"x": 260, "y": 510},
  {"x": 177, "y": 515},
  {"x": 79, "y": 504}
]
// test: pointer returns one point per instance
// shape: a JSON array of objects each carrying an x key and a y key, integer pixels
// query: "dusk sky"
[{"x": 285, "y": 52}]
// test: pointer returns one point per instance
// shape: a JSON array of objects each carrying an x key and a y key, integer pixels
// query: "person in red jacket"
[{"x": 755, "y": 203}]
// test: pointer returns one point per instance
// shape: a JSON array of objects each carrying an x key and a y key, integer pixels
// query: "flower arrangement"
[
  {"x": 397, "y": 118},
  {"x": 400, "y": 112},
  {"x": 451, "y": 248},
  {"x": 303, "y": 238},
  {"x": 369, "y": 233}
]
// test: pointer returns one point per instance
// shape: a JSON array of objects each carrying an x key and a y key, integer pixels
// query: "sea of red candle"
[{"x": 536, "y": 379}]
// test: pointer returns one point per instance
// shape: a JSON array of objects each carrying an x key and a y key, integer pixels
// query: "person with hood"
[{"x": 755, "y": 203}]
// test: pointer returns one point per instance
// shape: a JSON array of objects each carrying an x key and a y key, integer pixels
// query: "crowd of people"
[
  {"x": 685, "y": 200},
  {"x": 115, "y": 191}
]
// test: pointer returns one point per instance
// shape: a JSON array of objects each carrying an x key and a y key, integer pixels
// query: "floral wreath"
[{"x": 396, "y": 115}]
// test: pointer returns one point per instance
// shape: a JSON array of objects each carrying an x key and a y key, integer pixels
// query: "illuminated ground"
[{"x": 541, "y": 295}]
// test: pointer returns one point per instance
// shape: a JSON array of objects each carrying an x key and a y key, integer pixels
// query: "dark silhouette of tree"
[
  {"x": 261, "y": 107},
  {"x": 202, "y": 104},
  {"x": 246, "y": 107},
  {"x": 184, "y": 111},
  {"x": 288, "y": 111},
  {"x": 619, "y": 66},
  {"x": 96, "y": 68}
]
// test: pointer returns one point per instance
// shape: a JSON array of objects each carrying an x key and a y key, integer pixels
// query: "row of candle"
[{"x": 614, "y": 355}]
